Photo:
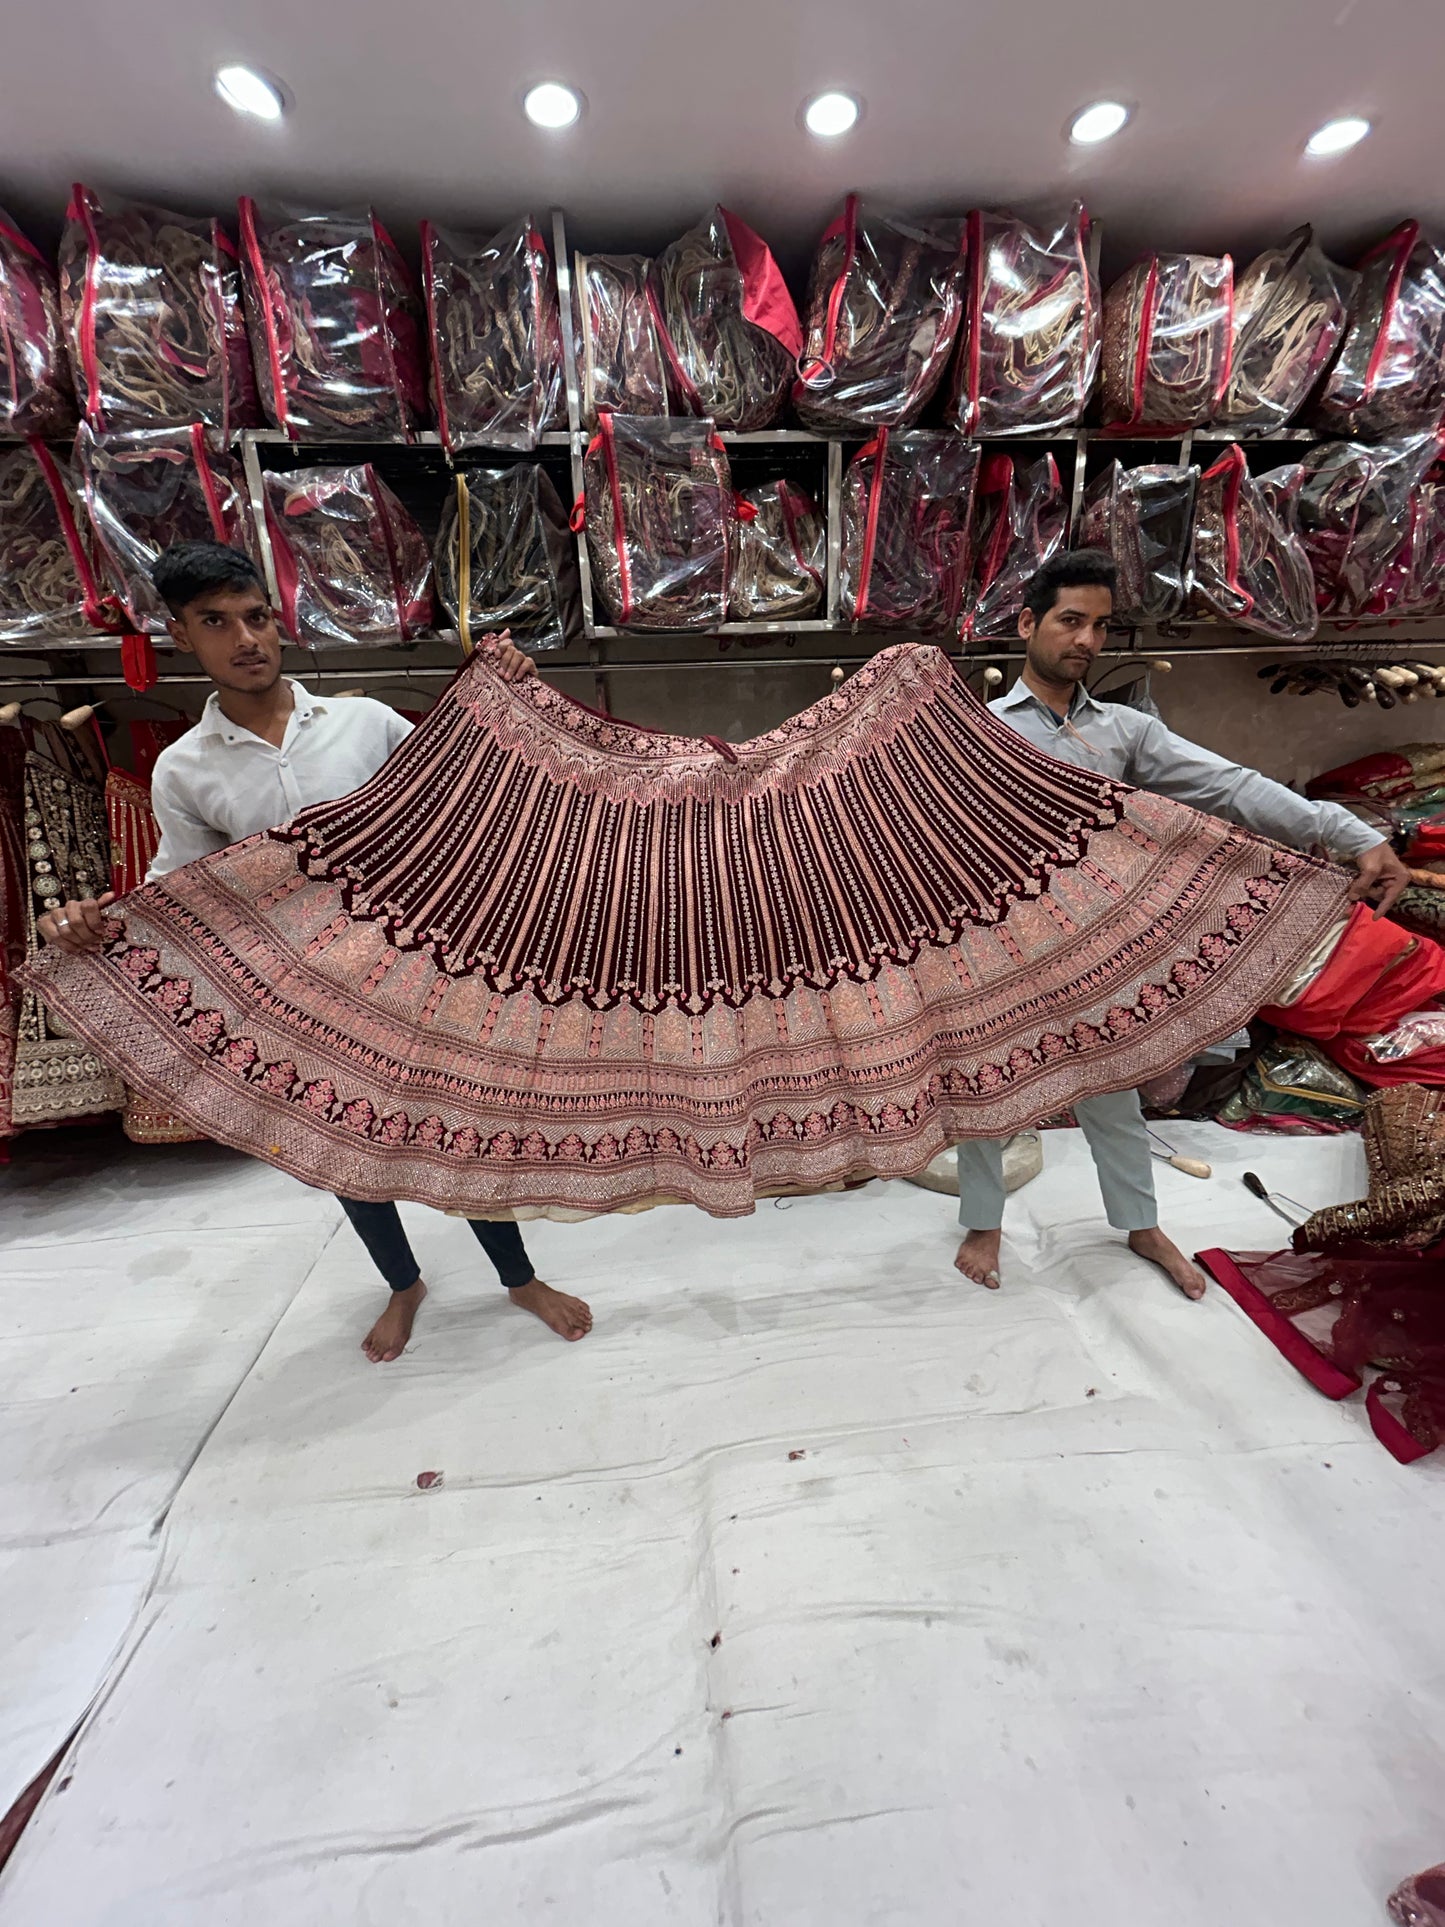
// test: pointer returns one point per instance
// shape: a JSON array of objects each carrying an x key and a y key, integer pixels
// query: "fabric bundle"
[
  {"x": 1167, "y": 339},
  {"x": 620, "y": 350},
  {"x": 1247, "y": 563},
  {"x": 1029, "y": 350},
  {"x": 884, "y": 305},
  {"x": 48, "y": 567},
  {"x": 1413, "y": 584},
  {"x": 1341, "y": 1319},
  {"x": 519, "y": 568},
  {"x": 779, "y": 556},
  {"x": 334, "y": 328},
  {"x": 1144, "y": 518},
  {"x": 907, "y": 522},
  {"x": 1389, "y": 376},
  {"x": 351, "y": 564},
  {"x": 1389, "y": 775},
  {"x": 153, "y": 314},
  {"x": 1022, "y": 520},
  {"x": 142, "y": 493},
  {"x": 496, "y": 336},
  {"x": 726, "y": 324},
  {"x": 35, "y": 390},
  {"x": 1354, "y": 515},
  {"x": 659, "y": 509},
  {"x": 637, "y": 966},
  {"x": 1290, "y": 309},
  {"x": 56, "y": 1077},
  {"x": 1404, "y": 1138}
]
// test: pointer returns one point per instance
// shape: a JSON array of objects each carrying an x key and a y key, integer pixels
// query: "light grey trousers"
[{"x": 1114, "y": 1128}]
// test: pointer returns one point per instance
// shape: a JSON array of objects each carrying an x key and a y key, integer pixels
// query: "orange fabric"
[{"x": 1378, "y": 974}]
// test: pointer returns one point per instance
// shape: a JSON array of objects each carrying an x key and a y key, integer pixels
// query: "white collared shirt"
[
  {"x": 1137, "y": 748},
  {"x": 220, "y": 782}
]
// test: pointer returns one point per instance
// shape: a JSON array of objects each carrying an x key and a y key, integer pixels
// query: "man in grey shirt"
[{"x": 1064, "y": 625}]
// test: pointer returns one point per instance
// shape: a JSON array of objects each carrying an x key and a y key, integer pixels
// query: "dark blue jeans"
[{"x": 379, "y": 1228}]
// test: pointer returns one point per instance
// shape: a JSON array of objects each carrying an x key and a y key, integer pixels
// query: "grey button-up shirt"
[{"x": 1137, "y": 748}]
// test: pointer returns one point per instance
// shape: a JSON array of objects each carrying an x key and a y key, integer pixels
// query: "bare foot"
[
  {"x": 570, "y": 1318},
  {"x": 389, "y": 1336},
  {"x": 1163, "y": 1252},
  {"x": 978, "y": 1258}
]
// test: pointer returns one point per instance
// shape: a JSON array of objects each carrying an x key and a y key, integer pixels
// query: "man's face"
[
  {"x": 1063, "y": 645},
  {"x": 232, "y": 635}
]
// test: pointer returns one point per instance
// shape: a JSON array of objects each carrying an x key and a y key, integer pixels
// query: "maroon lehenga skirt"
[{"x": 547, "y": 958}]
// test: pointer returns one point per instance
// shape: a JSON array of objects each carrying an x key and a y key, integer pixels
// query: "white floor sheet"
[{"x": 817, "y": 1588}]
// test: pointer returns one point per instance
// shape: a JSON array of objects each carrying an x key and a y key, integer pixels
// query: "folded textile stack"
[
  {"x": 153, "y": 313},
  {"x": 1028, "y": 352},
  {"x": 1144, "y": 517},
  {"x": 907, "y": 528},
  {"x": 495, "y": 336},
  {"x": 884, "y": 305},
  {"x": 351, "y": 564},
  {"x": 334, "y": 327},
  {"x": 726, "y": 324},
  {"x": 518, "y": 571},
  {"x": 659, "y": 510},
  {"x": 1167, "y": 341},
  {"x": 144, "y": 492},
  {"x": 36, "y": 397}
]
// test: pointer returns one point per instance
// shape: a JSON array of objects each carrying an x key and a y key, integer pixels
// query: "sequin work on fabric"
[{"x": 546, "y": 958}]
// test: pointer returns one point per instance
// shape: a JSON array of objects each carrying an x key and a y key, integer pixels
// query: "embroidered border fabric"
[{"x": 546, "y": 958}]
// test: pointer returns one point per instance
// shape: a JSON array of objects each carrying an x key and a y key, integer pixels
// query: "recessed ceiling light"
[
  {"x": 249, "y": 92},
  {"x": 1337, "y": 135},
  {"x": 829, "y": 115},
  {"x": 552, "y": 105},
  {"x": 1098, "y": 123}
]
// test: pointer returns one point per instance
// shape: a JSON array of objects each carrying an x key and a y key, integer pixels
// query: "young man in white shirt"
[
  {"x": 263, "y": 749},
  {"x": 1064, "y": 625}
]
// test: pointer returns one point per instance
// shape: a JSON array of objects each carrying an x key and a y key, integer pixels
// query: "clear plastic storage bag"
[
  {"x": 907, "y": 522},
  {"x": 1144, "y": 518},
  {"x": 619, "y": 351},
  {"x": 496, "y": 336},
  {"x": 144, "y": 492},
  {"x": 505, "y": 558},
  {"x": 1420, "y": 1901},
  {"x": 779, "y": 556},
  {"x": 1354, "y": 514},
  {"x": 49, "y": 582},
  {"x": 1028, "y": 352},
  {"x": 658, "y": 508},
  {"x": 1167, "y": 339},
  {"x": 726, "y": 324},
  {"x": 1290, "y": 309},
  {"x": 884, "y": 307},
  {"x": 35, "y": 390},
  {"x": 1022, "y": 520},
  {"x": 1389, "y": 376},
  {"x": 334, "y": 326},
  {"x": 1248, "y": 565},
  {"x": 153, "y": 314},
  {"x": 352, "y": 567}
]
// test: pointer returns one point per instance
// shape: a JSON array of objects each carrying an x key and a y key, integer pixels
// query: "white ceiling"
[{"x": 414, "y": 104}]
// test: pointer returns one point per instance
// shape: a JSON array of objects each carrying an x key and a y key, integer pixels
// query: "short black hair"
[
  {"x": 187, "y": 570},
  {"x": 1070, "y": 569}
]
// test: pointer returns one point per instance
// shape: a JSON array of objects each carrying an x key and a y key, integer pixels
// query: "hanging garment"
[
  {"x": 152, "y": 305},
  {"x": 496, "y": 336},
  {"x": 35, "y": 391},
  {"x": 134, "y": 839},
  {"x": 56, "y": 1076},
  {"x": 548, "y": 958}
]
